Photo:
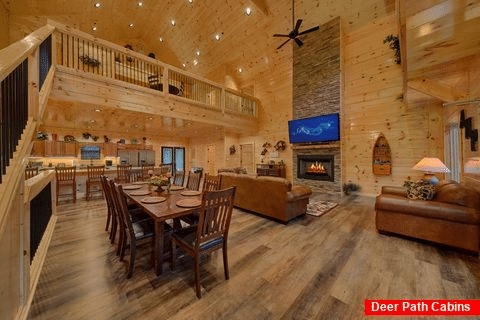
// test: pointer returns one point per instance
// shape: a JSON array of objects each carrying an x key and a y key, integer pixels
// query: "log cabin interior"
[{"x": 85, "y": 83}]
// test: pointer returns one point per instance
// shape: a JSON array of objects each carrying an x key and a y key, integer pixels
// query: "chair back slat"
[
  {"x": 145, "y": 171},
  {"x": 165, "y": 168},
  {"x": 65, "y": 173},
  {"x": 215, "y": 215},
  {"x": 212, "y": 183},
  {"x": 95, "y": 173},
  {"x": 108, "y": 193},
  {"x": 30, "y": 172},
  {"x": 122, "y": 208},
  {"x": 193, "y": 181},
  {"x": 124, "y": 172},
  {"x": 179, "y": 178}
]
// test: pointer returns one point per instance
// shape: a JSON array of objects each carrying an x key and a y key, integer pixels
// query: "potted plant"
[{"x": 350, "y": 188}]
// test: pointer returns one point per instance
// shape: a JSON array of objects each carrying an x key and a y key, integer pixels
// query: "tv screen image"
[
  {"x": 316, "y": 129},
  {"x": 90, "y": 152}
]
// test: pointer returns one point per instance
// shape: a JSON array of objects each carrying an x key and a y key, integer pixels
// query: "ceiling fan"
[{"x": 294, "y": 33}]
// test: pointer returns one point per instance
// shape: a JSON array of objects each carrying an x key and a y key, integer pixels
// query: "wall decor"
[
  {"x": 232, "y": 149},
  {"x": 280, "y": 145},
  {"x": 106, "y": 139},
  {"x": 86, "y": 135},
  {"x": 89, "y": 61},
  {"x": 69, "y": 138},
  {"x": 470, "y": 133},
  {"x": 394, "y": 44},
  {"x": 382, "y": 157},
  {"x": 41, "y": 135}
]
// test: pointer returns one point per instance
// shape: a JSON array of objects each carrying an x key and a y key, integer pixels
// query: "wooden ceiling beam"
[
  {"x": 437, "y": 89},
  {"x": 262, "y": 6}
]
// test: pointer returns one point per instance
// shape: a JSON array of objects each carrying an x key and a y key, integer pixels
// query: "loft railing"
[
  {"x": 81, "y": 51},
  {"x": 45, "y": 59}
]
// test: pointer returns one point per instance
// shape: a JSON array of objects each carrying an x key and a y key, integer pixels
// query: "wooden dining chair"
[
  {"x": 211, "y": 232},
  {"x": 66, "y": 177},
  {"x": 94, "y": 178},
  {"x": 123, "y": 173},
  {"x": 30, "y": 172},
  {"x": 193, "y": 181},
  {"x": 179, "y": 178},
  {"x": 111, "y": 219},
  {"x": 145, "y": 172},
  {"x": 134, "y": 229},
  {"x": 211, "y": 183}
]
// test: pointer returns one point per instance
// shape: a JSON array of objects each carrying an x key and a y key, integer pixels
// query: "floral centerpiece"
[{"x": 160, "y": 181}]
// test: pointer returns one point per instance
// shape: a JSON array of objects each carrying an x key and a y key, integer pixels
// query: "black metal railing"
[
  {"x": 14, "y": 112},
  {"x": 40, "y": 214},
  {"x": 45, "y": 59}
]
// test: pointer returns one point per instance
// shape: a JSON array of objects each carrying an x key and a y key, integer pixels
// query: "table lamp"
[
  {"x": 472, "y": 166},
  {"x": 431, "y": 166}
]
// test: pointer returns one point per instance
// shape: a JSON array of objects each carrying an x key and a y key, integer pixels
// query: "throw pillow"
[{"x": 422, "y": 190}]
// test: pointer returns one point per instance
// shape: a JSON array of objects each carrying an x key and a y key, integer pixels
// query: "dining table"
[{"x": 162, "y": 206}]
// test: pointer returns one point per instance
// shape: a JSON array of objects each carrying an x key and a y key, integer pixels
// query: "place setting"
[
  {"x": 189, "y": 203},
  {"x": 150, "y": 200},
  {"x": 140, "y": 193},
  {"x": 191, "y": 193},
  {"x": 132, "y": 187},
  {"x": 176, "y": 188}
]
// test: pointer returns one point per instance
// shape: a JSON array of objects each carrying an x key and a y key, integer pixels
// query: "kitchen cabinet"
[
  {"x": 109, "y": 149},
  {"x": 56, "y": 149},
  {"x": 70, "y": 149},
  {"x": 38, "y": 149}
]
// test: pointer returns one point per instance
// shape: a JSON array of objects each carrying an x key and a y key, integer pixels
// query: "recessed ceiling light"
[
  {"x": 190, "y": 1},
  {"x": 195, "y": 62},
  {"x": 240, "y": 69},
  {"x": 161, "y": 39},
  {"x": 150, "y": 118},
  {"x": 92, "y": 121},
  {"x": 98, "y": 5},
  {"x": 94, "y": 28},
  {"x": 98, "y": 110},
  {"x": 140, "y": 4},
  {"x": 218, "y": 36},
  {"x": 197, "y": 53},
  {"x": 184, "y": 65},
  {"x": 248, "y": 11},
  {"x": 131, "y": 25},
  {"x": 173, "y": 23}
]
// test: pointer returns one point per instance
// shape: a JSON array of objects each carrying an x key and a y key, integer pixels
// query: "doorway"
[
  {"x": 174, "y": 156},
  {"x": 247, "y": 157}
]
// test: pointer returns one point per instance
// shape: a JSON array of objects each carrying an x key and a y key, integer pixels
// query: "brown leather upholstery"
[
  {"x": 451, "y": 218},
  {"x": 270, "y": 196}
]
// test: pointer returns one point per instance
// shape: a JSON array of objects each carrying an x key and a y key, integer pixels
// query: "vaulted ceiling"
[{"x": 246, "y": 40}]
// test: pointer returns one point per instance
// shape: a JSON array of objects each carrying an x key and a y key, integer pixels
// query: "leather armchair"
[{"x": 451, "y": 218}]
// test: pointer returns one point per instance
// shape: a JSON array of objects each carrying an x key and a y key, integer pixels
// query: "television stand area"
[
  {"x": 272, "y": 170},
  {"x": 316, "y": 145}
]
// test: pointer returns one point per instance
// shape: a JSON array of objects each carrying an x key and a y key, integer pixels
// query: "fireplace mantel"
[{"x": 316, "y": 146}]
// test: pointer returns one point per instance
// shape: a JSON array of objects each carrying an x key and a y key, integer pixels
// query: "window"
[
  {"x": 174, "y": 156},
  {"x": 452, "y": 151}
]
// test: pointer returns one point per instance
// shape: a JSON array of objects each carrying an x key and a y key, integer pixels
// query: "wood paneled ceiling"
[{"x": 246, "y": 40}]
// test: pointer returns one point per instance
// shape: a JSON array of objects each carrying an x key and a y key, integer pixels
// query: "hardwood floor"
[{"x": 312, "y": 268}]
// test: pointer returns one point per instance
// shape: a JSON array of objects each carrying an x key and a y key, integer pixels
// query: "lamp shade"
[
  {"x": 431, "y": 165},
  {"x": 472, "y": 166}
]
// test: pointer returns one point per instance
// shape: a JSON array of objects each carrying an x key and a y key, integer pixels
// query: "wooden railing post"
[
  {"x": 222, "y": 101},
  {"x": 33, "y": 80},
  {"x": 165, "y": 79}
]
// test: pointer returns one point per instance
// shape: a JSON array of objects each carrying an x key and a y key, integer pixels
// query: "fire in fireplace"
[{"x": 315, "y": 167}]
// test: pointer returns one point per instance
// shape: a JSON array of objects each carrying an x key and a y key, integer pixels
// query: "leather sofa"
[
  {"x": 452, "y": 218},
  {"x": 272, "y": 197}
]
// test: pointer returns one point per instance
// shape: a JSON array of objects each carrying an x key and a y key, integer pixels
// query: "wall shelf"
[{"x": 382, "y": 157}]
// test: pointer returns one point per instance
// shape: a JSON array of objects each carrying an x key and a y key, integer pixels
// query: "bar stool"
[
  {"x": 65, "y": 177},
  {"x": 123, "y": 173},
  {"x": 94, "y": 178}
]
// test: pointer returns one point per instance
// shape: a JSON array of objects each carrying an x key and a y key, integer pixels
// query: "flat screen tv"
[
  {"x": 315, "y": 130},
  {"x": 90, "y": 152}
]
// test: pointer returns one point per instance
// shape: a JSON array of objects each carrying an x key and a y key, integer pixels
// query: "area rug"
[{"x": 320, "y": 207}]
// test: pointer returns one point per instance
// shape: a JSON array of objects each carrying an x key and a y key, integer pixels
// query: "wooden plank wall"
[
  {"x": 373, "y": 104},
  {"x": 4, "y": 26}
]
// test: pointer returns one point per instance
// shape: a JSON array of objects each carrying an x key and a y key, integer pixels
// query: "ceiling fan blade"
[
  {"x": 299, "y": 42},
  {"x": 297, "y": 26},
  {"x": 283, "y": 44},
  {"x": 309, "y": 30},
  {"x": 280, "y": 35}
]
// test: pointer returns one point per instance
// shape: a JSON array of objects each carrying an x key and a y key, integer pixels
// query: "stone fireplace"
[
  {"x": 316, "y": 167},
  {"x": 316, "y": 92}
]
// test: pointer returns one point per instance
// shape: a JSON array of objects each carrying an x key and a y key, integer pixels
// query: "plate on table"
[
  {"x": 176, "y": 188},
  {"x": 140, "y": 182},
  {"x": 191, "y": 193},
  {"x": 131, "y": 187},
  {"x": 153, "y": 199},
  {"x": 140, "y": 193},
  {"x": 189, "y": 203}
]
